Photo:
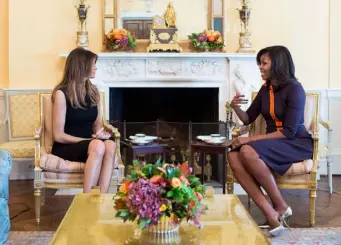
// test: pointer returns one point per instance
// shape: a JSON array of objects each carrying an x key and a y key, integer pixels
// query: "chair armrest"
[
  {"x": 37, "y": 135},
  {"x": 117, "y": 136},
  {"x": 111, "y": 129},
  {"x": 326, "y": 124},
  {"x": 241, "y": 130}
]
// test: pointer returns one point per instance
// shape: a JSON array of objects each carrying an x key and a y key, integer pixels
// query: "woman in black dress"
[
  {"x": 77, "y": 131},
  {"x": 281, "y": 101}
]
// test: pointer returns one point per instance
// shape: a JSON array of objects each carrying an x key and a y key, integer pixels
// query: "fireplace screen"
[{"x": 177, "y": 136}]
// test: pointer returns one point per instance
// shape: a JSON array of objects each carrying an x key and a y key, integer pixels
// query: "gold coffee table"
[{"x": 91, "y": 220}]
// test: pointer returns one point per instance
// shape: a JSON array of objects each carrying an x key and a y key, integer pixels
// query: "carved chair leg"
[
  {"x": 230, "y": 179},
  {"x": 43, "y": 196},
  {"x": 37, "y": 199},
  {"x": 312, "y": 200}
]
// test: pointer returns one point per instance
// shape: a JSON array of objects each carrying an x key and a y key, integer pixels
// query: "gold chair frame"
[
  {"x": 285, "y": 183},
  {"x": 39, "y": 184}
]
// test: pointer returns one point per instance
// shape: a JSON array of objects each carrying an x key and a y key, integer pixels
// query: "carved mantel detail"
[{"x": 220, "y": 70}]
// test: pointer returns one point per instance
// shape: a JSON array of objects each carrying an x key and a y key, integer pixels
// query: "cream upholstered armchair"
[
  {"x": 19, "y": 123},
  {"x": 54, "y": 172},
  {"x": 301, "y": 175}
]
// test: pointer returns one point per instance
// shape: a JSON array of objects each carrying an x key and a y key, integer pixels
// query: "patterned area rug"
[
  {"x": 297, "y": 236},
  {"x": 29, "y": 237},
  {"x": 309, "y": 236}
]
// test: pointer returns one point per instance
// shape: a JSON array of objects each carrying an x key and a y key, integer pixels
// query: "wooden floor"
[{"x": 328, "y": 207}]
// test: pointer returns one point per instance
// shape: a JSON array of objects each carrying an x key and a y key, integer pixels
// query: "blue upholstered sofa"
[{"x": 5, "y": 169}]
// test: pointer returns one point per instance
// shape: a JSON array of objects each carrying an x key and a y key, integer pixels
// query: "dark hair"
[
  {"x": 78, "y": 66},
  {"x": 282, "y": 64}
]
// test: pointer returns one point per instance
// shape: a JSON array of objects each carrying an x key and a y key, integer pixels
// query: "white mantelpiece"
[{"x": 225, "y": 71}]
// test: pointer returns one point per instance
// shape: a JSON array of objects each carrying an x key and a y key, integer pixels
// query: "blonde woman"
[{"x": 77, "y": 131}]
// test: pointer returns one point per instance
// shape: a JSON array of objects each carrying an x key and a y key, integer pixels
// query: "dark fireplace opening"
[
  {"x": 166, "y": 104},
  {"x": 175, "y": 115}
]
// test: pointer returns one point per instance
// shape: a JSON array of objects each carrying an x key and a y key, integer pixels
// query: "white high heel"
[
  {"x": 278, "y": 230},
  {"x": 284, "y": 218}
]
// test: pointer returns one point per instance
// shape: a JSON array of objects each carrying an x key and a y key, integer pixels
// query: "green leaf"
[
  {"x": 170, "y": 193},
  {"x": 123, "y": 213},
  {"x": 143, "y": 223},
  {"x": 136, "y": 163}
]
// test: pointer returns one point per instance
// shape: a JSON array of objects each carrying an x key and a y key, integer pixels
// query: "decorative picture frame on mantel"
[{"x": 215, "y": 21}]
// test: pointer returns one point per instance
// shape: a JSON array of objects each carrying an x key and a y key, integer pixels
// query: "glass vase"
[{"x": 165, "y": 232}]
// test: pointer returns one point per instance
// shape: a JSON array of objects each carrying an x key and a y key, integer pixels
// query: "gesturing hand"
[
  {"x": 238, "y": 100},
  {"x": 101, "y": 134},
  {"x": 237, "y": 142}
]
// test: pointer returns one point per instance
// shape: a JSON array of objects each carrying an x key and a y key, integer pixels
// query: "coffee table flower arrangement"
[
  {"x": 207, "y": 40},
  {"x": 154, "y": 193},
  {"x": 119, "y": 39}
]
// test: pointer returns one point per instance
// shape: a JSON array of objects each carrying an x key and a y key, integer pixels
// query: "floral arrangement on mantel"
[
  {"x": 119, "y": 40},
  {"x": 155, "y": 192},
  {"x": 207, "y": 40}
]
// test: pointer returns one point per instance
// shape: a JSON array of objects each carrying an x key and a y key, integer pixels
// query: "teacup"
[
  {"x": 140, "y": 137},
  {"x": 215, "y": 137}
]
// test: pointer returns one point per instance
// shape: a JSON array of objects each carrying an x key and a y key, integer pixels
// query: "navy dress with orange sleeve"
[{"x": 283, "y": 110}]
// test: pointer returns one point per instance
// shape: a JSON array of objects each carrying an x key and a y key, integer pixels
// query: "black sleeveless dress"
[{"x": 78, "y": 123}]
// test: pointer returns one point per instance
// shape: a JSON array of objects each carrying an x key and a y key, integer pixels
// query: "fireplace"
[
  {"x": 166, "y": 104},
  {"x": 175, "y": 115}
]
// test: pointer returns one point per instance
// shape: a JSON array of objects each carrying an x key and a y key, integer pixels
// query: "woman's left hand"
[
  {"x": 240, "y": 141},
  {"x": 101, "y": 134}
]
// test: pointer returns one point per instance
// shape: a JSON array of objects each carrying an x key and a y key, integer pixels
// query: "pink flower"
[{"x": 143, "y": 199}]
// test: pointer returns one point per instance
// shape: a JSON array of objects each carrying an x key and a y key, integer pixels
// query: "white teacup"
[
  {"x": 215, "y": 137},
  {"x": 140, "y": 137}
]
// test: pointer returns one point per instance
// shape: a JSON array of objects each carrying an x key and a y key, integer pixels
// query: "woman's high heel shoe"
[
  {"x": 284, "y": 218},
  {"x": 278, "y": 230}
]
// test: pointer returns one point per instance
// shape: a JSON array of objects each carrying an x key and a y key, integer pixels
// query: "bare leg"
[
  {"x": 252, "y": 188},
  {"x": 107, "y": 166},
  {"x": 93, "y": 164},
  {"x": 261, "y": 172}
]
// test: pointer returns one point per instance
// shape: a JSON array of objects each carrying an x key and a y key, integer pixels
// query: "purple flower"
[
  {"x": 143, "y": 199},
  {"x": 202, "y": 38},
  {"x": 123, "y": 42}
]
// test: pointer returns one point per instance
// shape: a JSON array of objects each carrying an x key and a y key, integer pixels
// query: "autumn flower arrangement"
[
  {"x": 119, "y": 39},
  {"x": 207, "y": 40},
  {"x": 153, "y": 192}
]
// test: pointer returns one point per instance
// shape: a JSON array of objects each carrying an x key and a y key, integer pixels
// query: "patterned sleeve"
[
  {"x": 256, "y": 106},
  {"x": 294, "y": 111}
]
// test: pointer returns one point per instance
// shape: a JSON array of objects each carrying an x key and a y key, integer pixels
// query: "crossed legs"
[
  {"x": 251, "y": 172},
  {"x": 99, "y": 165}
]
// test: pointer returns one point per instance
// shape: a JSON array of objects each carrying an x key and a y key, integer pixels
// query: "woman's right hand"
[{"x": 238, "y": 100}]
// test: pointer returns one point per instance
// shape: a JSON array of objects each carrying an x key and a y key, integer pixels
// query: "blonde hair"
[{"x": 78, "y": 66}]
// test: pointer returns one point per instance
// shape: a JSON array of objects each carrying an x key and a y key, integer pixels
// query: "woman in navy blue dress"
[{"x": 281, "y": 101}]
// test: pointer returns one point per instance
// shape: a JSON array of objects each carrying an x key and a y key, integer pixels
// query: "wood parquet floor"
[{"x": 328, "y": 207}]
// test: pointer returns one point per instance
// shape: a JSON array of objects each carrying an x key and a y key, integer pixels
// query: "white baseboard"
[{"x": 22, "y": 169}]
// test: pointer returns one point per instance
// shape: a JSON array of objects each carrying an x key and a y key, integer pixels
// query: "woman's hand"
[
  {"x": 238, "y": 100},
  {"x": 237, "y": 142},
  {"x": 101, "y": 134}
]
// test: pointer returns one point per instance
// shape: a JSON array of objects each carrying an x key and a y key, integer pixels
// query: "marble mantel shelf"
[{"x": 134, "y": 55}]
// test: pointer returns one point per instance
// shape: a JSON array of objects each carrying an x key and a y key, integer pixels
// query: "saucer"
[
  {"x": 141, "y": 142},
  {"x": 209, "y": 138},
  {"x": 215, "y": 142},
  {"x": 146, "y": 138}
]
